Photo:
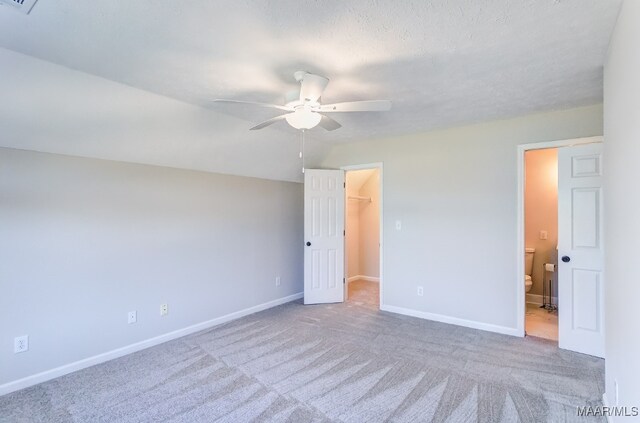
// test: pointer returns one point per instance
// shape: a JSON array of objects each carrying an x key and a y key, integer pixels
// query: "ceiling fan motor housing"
[{"x": 299, "y": 75}]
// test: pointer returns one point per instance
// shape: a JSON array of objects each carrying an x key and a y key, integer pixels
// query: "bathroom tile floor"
[{"x": 541, "y": 323}]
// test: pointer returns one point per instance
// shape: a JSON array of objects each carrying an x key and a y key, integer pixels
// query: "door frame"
[
  {"x": 379, "y": 166},
  {"x": 520, "y": 247}
]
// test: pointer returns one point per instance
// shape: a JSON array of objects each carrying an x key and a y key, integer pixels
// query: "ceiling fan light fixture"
[
  {"x": 305, "y": 108},
  {"x": 303, "y": 119}
]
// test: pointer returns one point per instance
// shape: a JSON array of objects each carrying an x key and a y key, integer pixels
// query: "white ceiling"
[{"x": 442, "y": 63}]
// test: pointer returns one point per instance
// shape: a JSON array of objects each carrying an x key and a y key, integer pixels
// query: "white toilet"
[{"x": 528, "y": 267}]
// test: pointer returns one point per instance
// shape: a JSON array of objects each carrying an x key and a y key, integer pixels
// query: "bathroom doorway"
[
  {"x": 363, "y": 236},
  {"x": 541, "y": 242},
  {"x": 574, "y": 283}
]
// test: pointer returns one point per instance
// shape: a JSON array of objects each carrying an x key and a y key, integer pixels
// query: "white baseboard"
[
  {"x": 452, "y": 320},
  {"x": 605, "y": 402},
  {"x": 364, "y": 278},
  {"x": 119, "y": 352},
  {"x": 537, "y": 299}
]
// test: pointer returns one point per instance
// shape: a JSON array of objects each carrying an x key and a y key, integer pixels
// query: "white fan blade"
[
  {"x": 357, "y": 106},
  {"x": 329, "y": 124},
  {"x": 312, "y": 86},
  {"x": 269, "y": 122},
  {"x": 252, "y": 103}
]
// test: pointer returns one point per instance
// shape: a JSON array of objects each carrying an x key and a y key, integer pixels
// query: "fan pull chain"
[{"x": 302, "y": 150}]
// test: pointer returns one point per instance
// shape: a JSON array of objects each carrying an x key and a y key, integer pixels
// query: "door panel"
[
  {"x": 585, "y": 286},
  {"x": 324, "y": 236},
  {"x": 580, "y": 273},
  {"x": 585, "y": 213}
]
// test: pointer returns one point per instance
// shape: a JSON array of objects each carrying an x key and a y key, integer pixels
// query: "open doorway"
[
  {"x": 362, "y": 236},
  {"x": 541, "y": 242},
  {"x": 567, "y": 266}
]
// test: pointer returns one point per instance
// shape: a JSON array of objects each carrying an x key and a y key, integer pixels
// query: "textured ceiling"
[{"x": 442, "y": 63}]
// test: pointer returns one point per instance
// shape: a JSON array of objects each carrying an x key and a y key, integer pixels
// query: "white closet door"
[{"x": 324, "y": 236}]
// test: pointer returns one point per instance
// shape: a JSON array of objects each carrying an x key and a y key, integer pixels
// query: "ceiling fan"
[{"x": 305, "y": 109}]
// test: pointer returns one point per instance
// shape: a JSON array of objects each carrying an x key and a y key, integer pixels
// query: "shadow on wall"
[{"x": 541, "y": 212}]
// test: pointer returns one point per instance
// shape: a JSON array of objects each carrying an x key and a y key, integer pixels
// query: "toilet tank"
[{"x": 528, "y": 260}]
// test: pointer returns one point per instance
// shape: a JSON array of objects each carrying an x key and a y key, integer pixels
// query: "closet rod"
[{"x": 355, "y": 197}]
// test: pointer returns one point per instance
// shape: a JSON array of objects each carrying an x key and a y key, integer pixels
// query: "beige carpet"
[
  {"x": 343, "y": 362},
  {"x": 364, "y": 293}
]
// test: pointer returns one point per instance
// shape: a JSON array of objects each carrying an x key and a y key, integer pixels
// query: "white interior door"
[
  {"x": 580, "y": 252},
  {"x": 324, "y": 236}
]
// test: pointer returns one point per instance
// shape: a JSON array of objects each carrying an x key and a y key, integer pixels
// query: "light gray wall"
[
  {"x": 455, "y": 192},
  {"x": 84, "y": 241},
  {"x": 622, "y": 210}
]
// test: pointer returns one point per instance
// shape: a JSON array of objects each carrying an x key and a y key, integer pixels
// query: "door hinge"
[
  {"x": 344, "y": 184},
  {"x": 344, "y": 233},
  {"x": 343, "y": 281}
]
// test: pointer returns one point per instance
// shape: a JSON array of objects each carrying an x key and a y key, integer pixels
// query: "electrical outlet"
[
  {"x": 398, "y": 225},
  {"x": 164, "y": 309},
  {"x": 21, "y": 344},
  {"x": 420, "y": 291},
  {"x": 544, "y": 235},
  {"x": 132, "y": 317},
  {"x": 277, "y": 280}
]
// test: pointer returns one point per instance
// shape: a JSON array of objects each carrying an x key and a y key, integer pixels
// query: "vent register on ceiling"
[{"x": 22, "y": 6}]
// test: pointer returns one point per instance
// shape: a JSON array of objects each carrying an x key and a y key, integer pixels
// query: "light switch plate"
[{"x": 543, "y": 234}]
